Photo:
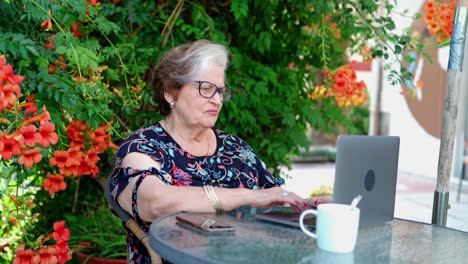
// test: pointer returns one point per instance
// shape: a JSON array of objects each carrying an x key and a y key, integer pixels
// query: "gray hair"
[{"x": 183, "y": 63}]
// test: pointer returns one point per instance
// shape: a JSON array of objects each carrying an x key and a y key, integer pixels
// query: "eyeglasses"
[{"x": 208, "y": 90}]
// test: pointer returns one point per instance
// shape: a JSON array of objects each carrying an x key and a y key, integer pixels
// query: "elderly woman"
[{"x": 182, "y": 162}]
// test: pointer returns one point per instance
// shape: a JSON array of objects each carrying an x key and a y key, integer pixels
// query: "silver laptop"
[{"x": 367, "y": 165}]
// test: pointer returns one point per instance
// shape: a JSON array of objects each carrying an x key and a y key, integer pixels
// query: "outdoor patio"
[{"x": 414, "y": 197}]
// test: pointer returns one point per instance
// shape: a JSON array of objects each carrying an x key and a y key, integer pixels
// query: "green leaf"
[
  {"x": 106, "y": 26},
  {"x": 239, "y": 8},
  {"x": 61, "y": 49}
]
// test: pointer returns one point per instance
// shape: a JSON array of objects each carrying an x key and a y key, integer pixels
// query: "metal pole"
[{"x": 457, "y": 45}]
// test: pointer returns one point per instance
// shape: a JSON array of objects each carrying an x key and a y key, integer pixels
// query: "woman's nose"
[{"x": 217, "y": 98}]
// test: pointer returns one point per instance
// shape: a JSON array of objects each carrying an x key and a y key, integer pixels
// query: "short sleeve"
[{"x": 144, "y": 141}]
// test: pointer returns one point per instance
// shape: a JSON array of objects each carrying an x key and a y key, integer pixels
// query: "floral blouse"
[{"x": 233, "y": 165}]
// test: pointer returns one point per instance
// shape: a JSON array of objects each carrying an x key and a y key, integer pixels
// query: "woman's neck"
[
  {"x": 196, "y": 141},
  {"x": 182, "y": 131}
]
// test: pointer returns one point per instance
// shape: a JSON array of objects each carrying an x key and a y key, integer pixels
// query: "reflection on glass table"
[{"x": 256, "y": 241}]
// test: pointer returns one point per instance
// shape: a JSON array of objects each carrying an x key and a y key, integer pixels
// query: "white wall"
[{"x": 419, "y": 151}]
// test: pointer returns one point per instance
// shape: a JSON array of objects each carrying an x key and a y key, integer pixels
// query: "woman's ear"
[
  {"x": 169, "y": 95},
  {"x": 169, "y": 98}
]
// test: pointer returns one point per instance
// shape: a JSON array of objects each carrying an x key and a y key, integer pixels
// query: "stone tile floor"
[{"x": 414, "y": 195}]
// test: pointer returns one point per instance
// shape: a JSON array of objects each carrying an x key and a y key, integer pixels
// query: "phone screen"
[{"x": 204, "y": 223}]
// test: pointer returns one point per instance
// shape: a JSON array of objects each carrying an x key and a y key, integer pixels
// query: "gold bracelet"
[
  {"x": 212, "y": 197},
  {"x": 218, "y": 207},
  {"x": 210, "y": 193}
]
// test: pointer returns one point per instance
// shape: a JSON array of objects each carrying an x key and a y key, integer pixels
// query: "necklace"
[{"x": 174, "y": 131}]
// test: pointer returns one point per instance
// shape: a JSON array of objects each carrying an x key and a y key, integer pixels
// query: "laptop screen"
[{"x": 367, "y": 165}]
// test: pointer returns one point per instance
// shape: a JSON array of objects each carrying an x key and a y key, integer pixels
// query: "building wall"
[{"x": 418, "y": 120}]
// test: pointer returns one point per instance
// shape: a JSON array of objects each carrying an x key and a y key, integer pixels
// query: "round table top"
[{"x": 255, "y": 241}]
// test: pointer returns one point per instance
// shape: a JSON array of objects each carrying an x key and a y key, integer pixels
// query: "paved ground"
[{"x": 414, "y": 197}]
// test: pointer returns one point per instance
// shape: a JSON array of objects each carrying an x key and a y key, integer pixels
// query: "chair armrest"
[{"x": 131, "y": 224}]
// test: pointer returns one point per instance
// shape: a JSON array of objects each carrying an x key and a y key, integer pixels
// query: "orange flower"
[
  {"x": 29, "y": 105},
  {"x": 100, "y": 138},
  {"x": 419, "y": 84},
  {"x": 64, "y": 253},
  {"x": 23, "y": 256},
  {"x": 88, "y": 167},
  {"x": 70, "y": 171},
  {"x": 47, "y": 24},
  {"x": 433, "y": 27},
  {"x": 75, "y": 158},
  {"x": 13, "y": 221},
  {"x": 336, "y": 31},
  {"x": 92, "y": 155},
  {"x": 61, "y": 159},
  {"x": 2, "y": 61},
  {"x": 429, "y": 17},
  {"x": 45, "y": 116},
  {"x": 61, "y": 62},
  {"x": 50, "y": 43},
  {"x": 345, "y": 88},
  {"x": 75, "y": 131},
  {"x": 47, "y": 131},
  {"x": 30, "y": 135},
  {"x": 52, "y": 68},
  {"x": 92, "y": 2},
  {"x": 366, "y": 54},
  {"x": 29, "y": 203},
  {"x": 319, "y": 92},
  {"x": 47, "y": 255},
  {"x": 30, "y": 157},
  {"x": 74, "y": 29},
  {"x": 117, "y": 92},
  {"x": 54, "y": 183},
  {"x": 439, "y": 18},
  {"x": 61, "y": 233},
  {"x": 9, "y": 94},
  {"x": 6, "y": 72},
  {"x": 9, "y": 147},
  {"x": 429, "y": 4}
]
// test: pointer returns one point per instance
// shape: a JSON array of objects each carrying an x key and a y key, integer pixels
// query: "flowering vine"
[
  {"x": 439, "y": 18},
  {"x": 27, "y": 136},
  {"x": 342, "y": 84},
  {"x": 57, "y": 253}
]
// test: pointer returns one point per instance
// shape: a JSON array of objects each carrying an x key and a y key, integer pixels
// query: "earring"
[{"x": 171, "y": 104}]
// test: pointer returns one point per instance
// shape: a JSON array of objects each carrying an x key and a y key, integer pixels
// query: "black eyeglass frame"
[{"x": 225, "y": 92}]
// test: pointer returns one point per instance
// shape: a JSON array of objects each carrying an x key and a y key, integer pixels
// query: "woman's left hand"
[
  {"x": 278, "y": 196},
  {"x": 316, "y": 200}
]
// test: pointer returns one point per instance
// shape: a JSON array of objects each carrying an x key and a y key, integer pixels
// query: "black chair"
[{"x": 131, "y": 224}]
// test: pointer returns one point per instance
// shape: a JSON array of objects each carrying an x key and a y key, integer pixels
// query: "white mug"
[{"x": 336, "y": 226}]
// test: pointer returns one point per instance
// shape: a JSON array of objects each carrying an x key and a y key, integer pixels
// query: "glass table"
[{"x": 255, "y": 241}]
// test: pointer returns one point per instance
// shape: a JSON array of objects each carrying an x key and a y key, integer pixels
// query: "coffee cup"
[{"x": 336, "y": 227}]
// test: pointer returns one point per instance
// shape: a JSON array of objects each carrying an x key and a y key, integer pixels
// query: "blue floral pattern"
[{"x": 233, "y": 165}]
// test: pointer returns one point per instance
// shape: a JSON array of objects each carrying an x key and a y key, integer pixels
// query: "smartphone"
[{"x": 204, "y": 223}]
